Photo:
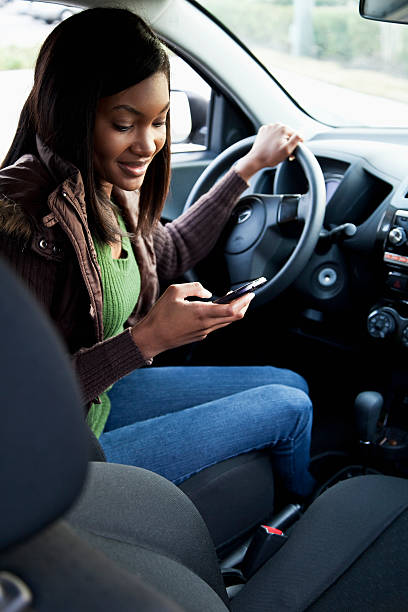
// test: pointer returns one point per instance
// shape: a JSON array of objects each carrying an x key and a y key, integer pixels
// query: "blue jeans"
[{"x": 177, "y": 421}]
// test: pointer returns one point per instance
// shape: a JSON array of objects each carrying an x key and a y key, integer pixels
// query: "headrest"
[{"x": 43, "y": 441}]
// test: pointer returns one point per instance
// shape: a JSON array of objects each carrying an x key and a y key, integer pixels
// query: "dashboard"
[
  {"x": 355, "y": 287},
  {"x": 353, "y": 292}
]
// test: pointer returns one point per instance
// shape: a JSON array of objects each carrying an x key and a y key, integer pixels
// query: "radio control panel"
[
  {"x": 396, "y": 244},
  {"x": 388, "y": 320}
]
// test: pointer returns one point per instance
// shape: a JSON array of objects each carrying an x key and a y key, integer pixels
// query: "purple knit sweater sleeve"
[
  {"x": 179, "y": 245},
  {"x": 101, "y": 365}
]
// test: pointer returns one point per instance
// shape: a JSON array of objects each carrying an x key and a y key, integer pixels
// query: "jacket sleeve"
[
  {"x": 181, "y": 244},
  {"x": 101, "y": 365},
  {"x": 97, "y": 367}
]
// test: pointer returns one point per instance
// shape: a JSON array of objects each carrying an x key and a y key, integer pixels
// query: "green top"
[{"x": 121, "y": 289}]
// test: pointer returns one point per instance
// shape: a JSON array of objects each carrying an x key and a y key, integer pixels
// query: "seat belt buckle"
[{"x": 265, "y": 543}]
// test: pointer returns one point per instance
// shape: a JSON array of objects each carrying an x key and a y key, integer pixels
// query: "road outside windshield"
[{"x": 341, "y": 69}]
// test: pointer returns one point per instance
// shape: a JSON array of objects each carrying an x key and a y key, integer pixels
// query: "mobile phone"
[{"x": 247, "y": 288}]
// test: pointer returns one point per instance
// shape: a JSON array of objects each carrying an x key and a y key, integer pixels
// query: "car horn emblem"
[{"x": 243, "y": 214}]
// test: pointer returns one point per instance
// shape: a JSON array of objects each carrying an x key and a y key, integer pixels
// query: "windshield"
[{"x": 340, "y": 68}]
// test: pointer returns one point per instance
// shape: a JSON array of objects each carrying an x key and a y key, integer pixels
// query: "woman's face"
[{"x": 130, "y": 128}]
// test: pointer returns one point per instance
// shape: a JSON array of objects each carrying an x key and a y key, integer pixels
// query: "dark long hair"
[{"x": 96, "y": 53}]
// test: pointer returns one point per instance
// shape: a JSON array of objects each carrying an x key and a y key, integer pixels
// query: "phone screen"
[{"x": 247, "y": 288}]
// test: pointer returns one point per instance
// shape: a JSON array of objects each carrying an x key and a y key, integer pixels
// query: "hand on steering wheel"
[
  {"x": 272, "y": 145},
  {"x": 257, "y": 242}
]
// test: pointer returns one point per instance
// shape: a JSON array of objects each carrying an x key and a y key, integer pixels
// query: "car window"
[
  {"x": 340, "y": 68},
  {"x": 190, "y": 100},
  {"x": 24, "y": 24}
]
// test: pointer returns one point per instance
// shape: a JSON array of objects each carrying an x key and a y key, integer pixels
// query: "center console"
[
  {"x": 388, "y": 319},
  {"x": 387, "y": 324}
]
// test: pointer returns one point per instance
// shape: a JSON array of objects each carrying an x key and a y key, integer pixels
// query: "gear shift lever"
[{"x": 367, "y": 409}]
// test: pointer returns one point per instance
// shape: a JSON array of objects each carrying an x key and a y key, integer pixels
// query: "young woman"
[{"x": 82, "y": 189}]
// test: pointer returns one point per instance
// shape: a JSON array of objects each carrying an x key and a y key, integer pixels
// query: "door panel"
[{"x": 184, "y": 175}]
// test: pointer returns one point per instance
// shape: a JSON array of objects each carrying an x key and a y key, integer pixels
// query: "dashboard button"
[
  {"x": 397, "y": 235},
  {"x": 402, "y": 260},
  {"x": 381, "y": 323},
  {"x": 396, "y": 281}
]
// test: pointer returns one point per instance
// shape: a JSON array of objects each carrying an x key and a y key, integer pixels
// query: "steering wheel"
[{"x": 259, "y": 240}]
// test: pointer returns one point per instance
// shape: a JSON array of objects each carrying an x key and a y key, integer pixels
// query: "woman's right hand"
[
  {"x": 273, "y": 144},
  {"x": 174, "y": 321}
]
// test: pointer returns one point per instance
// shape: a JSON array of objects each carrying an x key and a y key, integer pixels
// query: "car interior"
[{"x": 329, "y": 230}]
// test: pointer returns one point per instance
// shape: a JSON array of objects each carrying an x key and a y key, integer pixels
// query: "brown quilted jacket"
[{"x": 44, "y": 234}]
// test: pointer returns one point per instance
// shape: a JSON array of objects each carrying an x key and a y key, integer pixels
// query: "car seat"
[
  {"x": 44, "y": 450},
  {"x": 233, "y": 496},
  {"x": 133, "y": 540}
]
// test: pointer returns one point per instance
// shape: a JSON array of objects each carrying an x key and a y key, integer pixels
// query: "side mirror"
[
  {"x": 188, "y": 119},
  {"x": 181, "y": 123},
  {"x": 392, "y": 11}
]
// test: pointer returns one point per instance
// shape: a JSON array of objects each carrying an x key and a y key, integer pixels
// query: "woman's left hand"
[{"x": 273, "y": 144}]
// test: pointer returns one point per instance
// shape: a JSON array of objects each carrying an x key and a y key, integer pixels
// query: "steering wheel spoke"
[
  {"x": 288, "y": 211},
  {"x": 304, "y": 205},
  {"x": 241, "y": 268}
]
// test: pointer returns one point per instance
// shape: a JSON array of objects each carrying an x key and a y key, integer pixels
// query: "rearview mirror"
[{"x": 394, "y": 11}]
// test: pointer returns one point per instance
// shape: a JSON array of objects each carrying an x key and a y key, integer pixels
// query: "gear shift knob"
[{"x": 367, "y": 409}]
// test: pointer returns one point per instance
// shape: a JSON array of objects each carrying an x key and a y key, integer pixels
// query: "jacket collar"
[
  {"x": 31, "y": 180},
  {"x": 25, "y": 183},
  {"x": 61, "y": 171},
  {"x": 29, "y": 189}
]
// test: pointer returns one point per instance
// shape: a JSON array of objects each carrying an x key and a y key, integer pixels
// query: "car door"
[{"x": 205, "y": 121}]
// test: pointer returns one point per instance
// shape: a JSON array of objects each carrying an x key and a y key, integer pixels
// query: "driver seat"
[{"x": 133, "y": 540}]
